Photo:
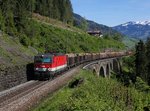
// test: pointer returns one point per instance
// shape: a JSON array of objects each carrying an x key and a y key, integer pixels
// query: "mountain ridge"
[
  {"x": 92, "y": 25},
  {"x": 136, "y": 23},
  {"x": 135, "y": 29}
]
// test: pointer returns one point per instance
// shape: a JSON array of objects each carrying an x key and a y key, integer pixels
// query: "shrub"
[
  {"x": 141, "y": 85},
  {"x": 24, "y": 40}
]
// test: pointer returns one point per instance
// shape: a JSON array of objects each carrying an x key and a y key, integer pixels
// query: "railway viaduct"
[{"x": 104, "y": 67}]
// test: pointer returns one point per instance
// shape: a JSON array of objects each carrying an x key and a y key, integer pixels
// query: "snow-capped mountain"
[
  {"x": 136, "y": 23},
  {"x": 139, "y": 29}
]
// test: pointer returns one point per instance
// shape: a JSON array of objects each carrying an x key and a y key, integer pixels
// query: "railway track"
[
  {"x": 18, "y": 93},
  {"x": 23, "y": 97}
]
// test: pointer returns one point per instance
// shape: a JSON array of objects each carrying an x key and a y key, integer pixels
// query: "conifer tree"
[
  {"x": 140, "y": 60},
  {"x": 2, "y": 22},
  {"x": 50, "y": 7},
  {"x": 69, "y": 12},
  {"x": 57, "y": 9},
  {"x": 148, "y": 59},
  {"x": 23, "y": 11},
  {"x": 7, "y": 8}
]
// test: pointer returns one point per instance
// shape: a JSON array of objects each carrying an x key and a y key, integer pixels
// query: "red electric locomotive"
[{"x": 47, "y": 65}]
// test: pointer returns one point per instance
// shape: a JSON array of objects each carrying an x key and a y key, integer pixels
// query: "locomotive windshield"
[{"x": 40, "y": 59}]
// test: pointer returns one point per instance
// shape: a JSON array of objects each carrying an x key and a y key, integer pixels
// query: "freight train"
[{"x": 51, "y": 64}]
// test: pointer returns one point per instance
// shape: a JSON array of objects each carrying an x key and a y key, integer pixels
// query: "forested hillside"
[
  {"x": 15, "y": 14},
  {"x": 22, "y": 22},
  {"x": 88, "y": 25},
  {"x": 85, "y": 24},
  {"x": 57, "y": 9}
]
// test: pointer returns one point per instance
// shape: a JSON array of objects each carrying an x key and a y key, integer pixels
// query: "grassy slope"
[
  {"x": 96, "y": 94},
  {"x": 52, "y": 35},
  {"x": 66, "y": 40},
  {"x": 55, "y": 23}
]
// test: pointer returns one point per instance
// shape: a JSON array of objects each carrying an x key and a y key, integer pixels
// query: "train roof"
[{"x": 51, "y": 54}]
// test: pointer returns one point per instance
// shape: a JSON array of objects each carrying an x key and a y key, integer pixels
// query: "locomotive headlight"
[
  {"x": 36, "y": 68},
  {"x": 49, "y": 69}
]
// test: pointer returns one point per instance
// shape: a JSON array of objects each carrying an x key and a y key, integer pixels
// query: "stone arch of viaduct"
[{"x": 104, "y": 67}]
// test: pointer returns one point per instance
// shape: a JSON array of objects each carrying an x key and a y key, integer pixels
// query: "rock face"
[
  {"x": 15, "y": 75},
  {"x": 14, "y": 59}
]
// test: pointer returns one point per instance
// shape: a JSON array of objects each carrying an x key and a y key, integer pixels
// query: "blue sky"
[{"x": 113, "y": 12}]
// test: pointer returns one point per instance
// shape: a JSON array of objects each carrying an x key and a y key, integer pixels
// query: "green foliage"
[
  {"x": 18, "y": 22},
  {"x": 117, "y": 37},
  {"x": 57, "y": 9},
  {"x": 140, "y": 60},
  {"x": 24, "y": 40},
  {"x": 96, "y": 94},
  {"x": 48, "y": 38},
  {"x": 130, "y": 42},
  {"x": 106, "y": 37},
  {"x": 15, "y": 14},
  {"x": 81, "y": 24},
  {"x": 89, "y": 25},
  {"x": 142, "y": 86},
  {"x": 148, "y": 59},
  {"x": 129, "y": 63},
  {"x": 13, "y": 53},
  {"x": 2, "y": 22},
  {"x": 22, "y": 14},
  {"x": 7, "y": 9},
  {"x": 139, "y": 64},
  {"x": 128, "y": 76}
]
